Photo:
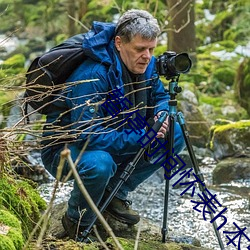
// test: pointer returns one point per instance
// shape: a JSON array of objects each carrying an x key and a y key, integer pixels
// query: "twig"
[
  {"x": 137, "y": 236},
  {"x": 99, "y": 238},
  {"x": 45, "y": 217},
  {"x": 66, "y": 154}
]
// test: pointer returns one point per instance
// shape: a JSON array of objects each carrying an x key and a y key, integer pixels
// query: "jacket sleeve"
[{"x": 88, "y": 118}]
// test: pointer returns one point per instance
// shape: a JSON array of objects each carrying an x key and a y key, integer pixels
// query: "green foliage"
[
  {"x": 22, "y": 200},
  {"x": 13, "y": 238},
  {"x": 229, "y": 23},
  {"x": 224, "y": 75},
  {"x": 17, "y": 61},
  {"x": 242, "y": 84},
  {"x": 12, "y": 67}
]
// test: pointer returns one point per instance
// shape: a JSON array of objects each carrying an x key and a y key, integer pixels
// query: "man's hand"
[{"x": 164, "y": 128}]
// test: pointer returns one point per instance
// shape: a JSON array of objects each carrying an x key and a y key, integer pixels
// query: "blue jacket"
[{"x": 86, "y": 118}]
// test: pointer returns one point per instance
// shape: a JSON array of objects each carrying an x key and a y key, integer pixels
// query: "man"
[{"x": 123, "y": 82}]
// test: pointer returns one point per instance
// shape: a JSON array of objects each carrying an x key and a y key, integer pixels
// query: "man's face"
[{"x": 137, "y": 53}]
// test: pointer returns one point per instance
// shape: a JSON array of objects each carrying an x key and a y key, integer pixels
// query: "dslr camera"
[{"x": 171, "y": 65}]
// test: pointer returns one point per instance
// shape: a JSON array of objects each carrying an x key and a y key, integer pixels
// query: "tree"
[{"x": 181, "y": 27}]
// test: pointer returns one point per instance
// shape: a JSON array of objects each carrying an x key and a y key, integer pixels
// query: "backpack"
[{"x": 47, "y": 74}]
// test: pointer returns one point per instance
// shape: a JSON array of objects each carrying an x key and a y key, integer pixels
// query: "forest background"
[{"x": 214, "y": 33}]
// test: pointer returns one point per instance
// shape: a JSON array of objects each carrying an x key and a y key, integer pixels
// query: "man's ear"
[{"x": 118, "y": 42}]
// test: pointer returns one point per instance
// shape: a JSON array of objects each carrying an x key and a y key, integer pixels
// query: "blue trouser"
[{"x": 100, "y": 170}]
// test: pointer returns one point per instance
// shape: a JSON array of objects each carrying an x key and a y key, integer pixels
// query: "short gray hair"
[{"x": 137, "y": 22}]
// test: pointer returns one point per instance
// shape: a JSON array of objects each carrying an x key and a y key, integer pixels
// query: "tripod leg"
[
  {"x": 170, "y": 139},
  {"x": 202, "y": 188}
]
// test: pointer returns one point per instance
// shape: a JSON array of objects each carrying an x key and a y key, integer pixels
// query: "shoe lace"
[{"x": 127, "y": 203}]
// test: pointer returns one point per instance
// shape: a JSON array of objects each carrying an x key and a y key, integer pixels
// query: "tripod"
[{"x": 173, "y": 90}]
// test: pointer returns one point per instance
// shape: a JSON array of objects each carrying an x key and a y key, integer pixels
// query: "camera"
[{"x": 171, "y": 65}]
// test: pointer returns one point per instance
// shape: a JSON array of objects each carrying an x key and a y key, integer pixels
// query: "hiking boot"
[
  {"x": 121, "y": 211},
  {"x": 75, "y": 231}
]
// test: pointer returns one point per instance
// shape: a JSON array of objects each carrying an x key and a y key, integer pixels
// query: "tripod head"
[{"x": 174, "y": 89}]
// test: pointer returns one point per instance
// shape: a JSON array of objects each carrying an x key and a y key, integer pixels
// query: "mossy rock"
[
  {"x": 22, "y": 200},
  {"x": 242, "y": 85},
  {"x": 128, "y": 244},
  {"x": 222, "y": 106},
  {"x": 231, "y": 139},
  {"x": 10, "y": 231}
]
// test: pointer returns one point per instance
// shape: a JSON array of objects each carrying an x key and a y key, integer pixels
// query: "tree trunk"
[
  {"x": 83, "y": 7},
  {"x": 71, "y": 6},
  {"x": 181, "y": 27}
]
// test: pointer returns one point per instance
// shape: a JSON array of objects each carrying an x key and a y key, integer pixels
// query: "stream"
[{"x": 185, "y": 223}]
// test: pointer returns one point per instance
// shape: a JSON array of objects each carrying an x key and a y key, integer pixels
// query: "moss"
[
  {"x": 21, "y": 199},
  {"x": 225, "y": 75},
  {"x": 242, "y": 84},
  {"x": 128, "y": 244},
  {"x": 214, "y": 101},
  {"x": 9, "y": 219},
  {"x": 16, "y": 237},
  {"x": 13, "y": 239},
  {"x": 221, "y": 133},
  {"x": 6, "y": 243},
  {"x": 16, "y": 61},
  {"x": 235, "y": 125}
]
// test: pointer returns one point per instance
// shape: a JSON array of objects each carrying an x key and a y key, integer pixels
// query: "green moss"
[
  {"x": 21, "y": 199},
  {"x": 6, "y": 243},
  {"x": 235, "y": 125},
  {"x": 16, "y": 237},
  {"x": 214, "y": 101},
  {"x": 128, "y": 244},
  {"x": 16, "y": 61},
  {"x": 220, "y": 132},
  {"x": 225, "y": 75},
  {"x": 13, "y": 239},
  {"x": 9, "y": 219}
]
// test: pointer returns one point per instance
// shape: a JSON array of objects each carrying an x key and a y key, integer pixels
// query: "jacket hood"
[{"x": 98, "y": 43}]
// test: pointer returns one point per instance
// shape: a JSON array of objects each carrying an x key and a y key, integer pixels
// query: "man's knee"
[{"x": 97, "y": 165}]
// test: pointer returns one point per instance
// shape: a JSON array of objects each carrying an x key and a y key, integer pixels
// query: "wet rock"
[
  {"x": 231, "y": 169},
  {"x": 197, "y": 125},
  {"x": 232, "y": 139}
]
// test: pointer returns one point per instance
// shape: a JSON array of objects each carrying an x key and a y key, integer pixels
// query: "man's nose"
[{"x": 146, "y": 54}]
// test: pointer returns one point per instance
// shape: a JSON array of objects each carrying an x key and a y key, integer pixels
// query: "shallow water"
[{"x": 182, "y": 218}]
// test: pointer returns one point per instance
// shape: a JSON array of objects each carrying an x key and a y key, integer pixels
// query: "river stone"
[
  {"x": 197, "y": 125},
  {"x": 231, "y": 139},
  {"x": 148, "y": 231},
  {"x": 231, "y": 169}
]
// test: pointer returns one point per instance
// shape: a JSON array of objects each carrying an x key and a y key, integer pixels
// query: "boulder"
[
  {"x": 149, "y": 238},
  {"x": 231, "y": 169},
  {"x": 197, "y": 125},
  {"x": 230, "y": 139}
]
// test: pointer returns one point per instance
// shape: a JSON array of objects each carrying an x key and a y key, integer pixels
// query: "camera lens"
[{"x": 182, "y": 63}]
